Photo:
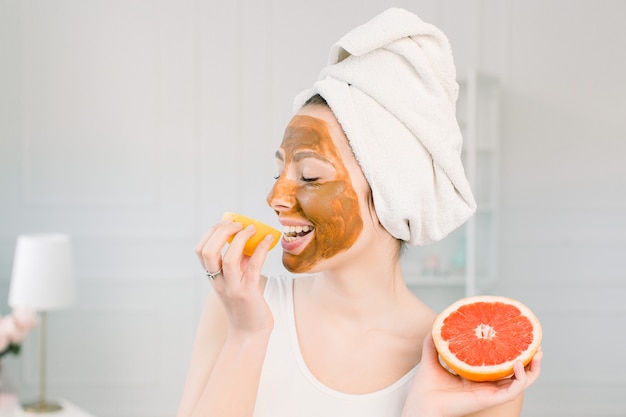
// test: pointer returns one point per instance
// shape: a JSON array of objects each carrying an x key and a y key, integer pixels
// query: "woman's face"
[{"x": 314, "y": 195}]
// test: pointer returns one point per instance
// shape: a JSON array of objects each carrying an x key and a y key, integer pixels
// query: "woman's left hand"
[{"x": 438, "y": 393}]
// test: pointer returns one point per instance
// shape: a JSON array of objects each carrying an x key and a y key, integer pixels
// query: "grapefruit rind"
[
  {"x": 484, "y": 372},
  {"x": 262, "y": 230}
]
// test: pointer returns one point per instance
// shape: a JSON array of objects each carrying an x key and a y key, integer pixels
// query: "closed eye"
[{"x": 304, "y": 179}]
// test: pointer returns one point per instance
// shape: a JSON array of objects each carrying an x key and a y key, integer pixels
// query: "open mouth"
[{"x": 292, "y": 233}]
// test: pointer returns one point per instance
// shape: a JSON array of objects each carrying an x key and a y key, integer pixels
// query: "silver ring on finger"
[{"x": 212, "y": 275}]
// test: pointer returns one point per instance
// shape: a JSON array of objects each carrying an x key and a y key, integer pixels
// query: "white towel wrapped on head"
[{"x": 391, "y": 84}]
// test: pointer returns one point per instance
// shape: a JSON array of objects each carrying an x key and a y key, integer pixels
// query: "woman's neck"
[{"x": 359, "y": 290}]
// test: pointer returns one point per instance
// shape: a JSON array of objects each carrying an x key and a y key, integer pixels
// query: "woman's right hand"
[
  {"x": 437, "y": 392},
  {"x": 239, "y": 284}
]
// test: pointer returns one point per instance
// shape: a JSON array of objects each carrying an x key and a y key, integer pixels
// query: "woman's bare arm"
[
  {"x": 210, "y": 337},
  {"x": 225, "y": 368},
  {"x": 234, "y": 328},
  {"x": 510, "y": 409}
]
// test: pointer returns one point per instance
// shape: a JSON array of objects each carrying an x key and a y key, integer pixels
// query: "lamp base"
[{"x": 42, "y": 407}]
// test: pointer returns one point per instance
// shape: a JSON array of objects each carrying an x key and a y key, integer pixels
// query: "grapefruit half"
[{"x": 480, "y": 338}]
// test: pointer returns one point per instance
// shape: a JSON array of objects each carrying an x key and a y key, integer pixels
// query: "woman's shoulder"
[
  {"x": 413, "y": 323},
  {"x": 410, "y": 324},
  {"x": 421, "y": 311}
]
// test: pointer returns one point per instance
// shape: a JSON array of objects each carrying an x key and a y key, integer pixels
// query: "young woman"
[{"x": 349, "y": 338}]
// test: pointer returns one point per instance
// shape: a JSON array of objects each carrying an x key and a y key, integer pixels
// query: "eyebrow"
[{"x": 300, "y": 155}]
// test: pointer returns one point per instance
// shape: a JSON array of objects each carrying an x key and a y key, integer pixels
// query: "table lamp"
[{"x": 43, "y": 280}]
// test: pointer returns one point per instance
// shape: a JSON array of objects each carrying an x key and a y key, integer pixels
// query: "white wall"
[
  {"x": 133, "y": 125},
  {"x": 98, "y": 140},
  {"x": 564, "y": 196}
]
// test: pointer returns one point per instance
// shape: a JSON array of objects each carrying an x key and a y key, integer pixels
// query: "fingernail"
[{"x": 269, "y": 238}]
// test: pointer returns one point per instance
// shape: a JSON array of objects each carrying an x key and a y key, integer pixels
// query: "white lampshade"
[{"x": 43, "y": 272}]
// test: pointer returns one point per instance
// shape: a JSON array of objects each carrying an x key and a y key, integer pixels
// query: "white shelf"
[
  {"x": 436, "y": 281},
  {"x": 447, "y": 281}
]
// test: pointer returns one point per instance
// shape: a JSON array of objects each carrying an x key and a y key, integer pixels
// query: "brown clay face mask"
[{"x": 316, "y": 190}]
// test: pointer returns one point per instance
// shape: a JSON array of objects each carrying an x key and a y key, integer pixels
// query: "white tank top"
[{"x": 288, "y": 389}]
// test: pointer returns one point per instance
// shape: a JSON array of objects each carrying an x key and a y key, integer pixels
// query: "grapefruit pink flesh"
[{"x": 481, "y": 338}]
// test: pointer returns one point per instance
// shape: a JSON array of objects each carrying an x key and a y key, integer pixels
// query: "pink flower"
[
  {"x": 14, "y": 328},
  {"x": 4, "y": 342},
  {"x": 25, "y": 318}
]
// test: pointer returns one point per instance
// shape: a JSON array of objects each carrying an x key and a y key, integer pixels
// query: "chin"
[
  {"x": 293, "y": 265},
  {"x": 296, "y": 266}
]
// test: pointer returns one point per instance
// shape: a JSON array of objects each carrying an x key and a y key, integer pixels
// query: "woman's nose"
[{"x": 282, "y": 195}]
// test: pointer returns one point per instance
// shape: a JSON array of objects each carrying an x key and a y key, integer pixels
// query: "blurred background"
[{"x": 132, "y": 125}]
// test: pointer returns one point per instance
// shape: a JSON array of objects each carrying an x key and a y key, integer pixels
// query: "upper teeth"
[{"x": 296, "y": 229}]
